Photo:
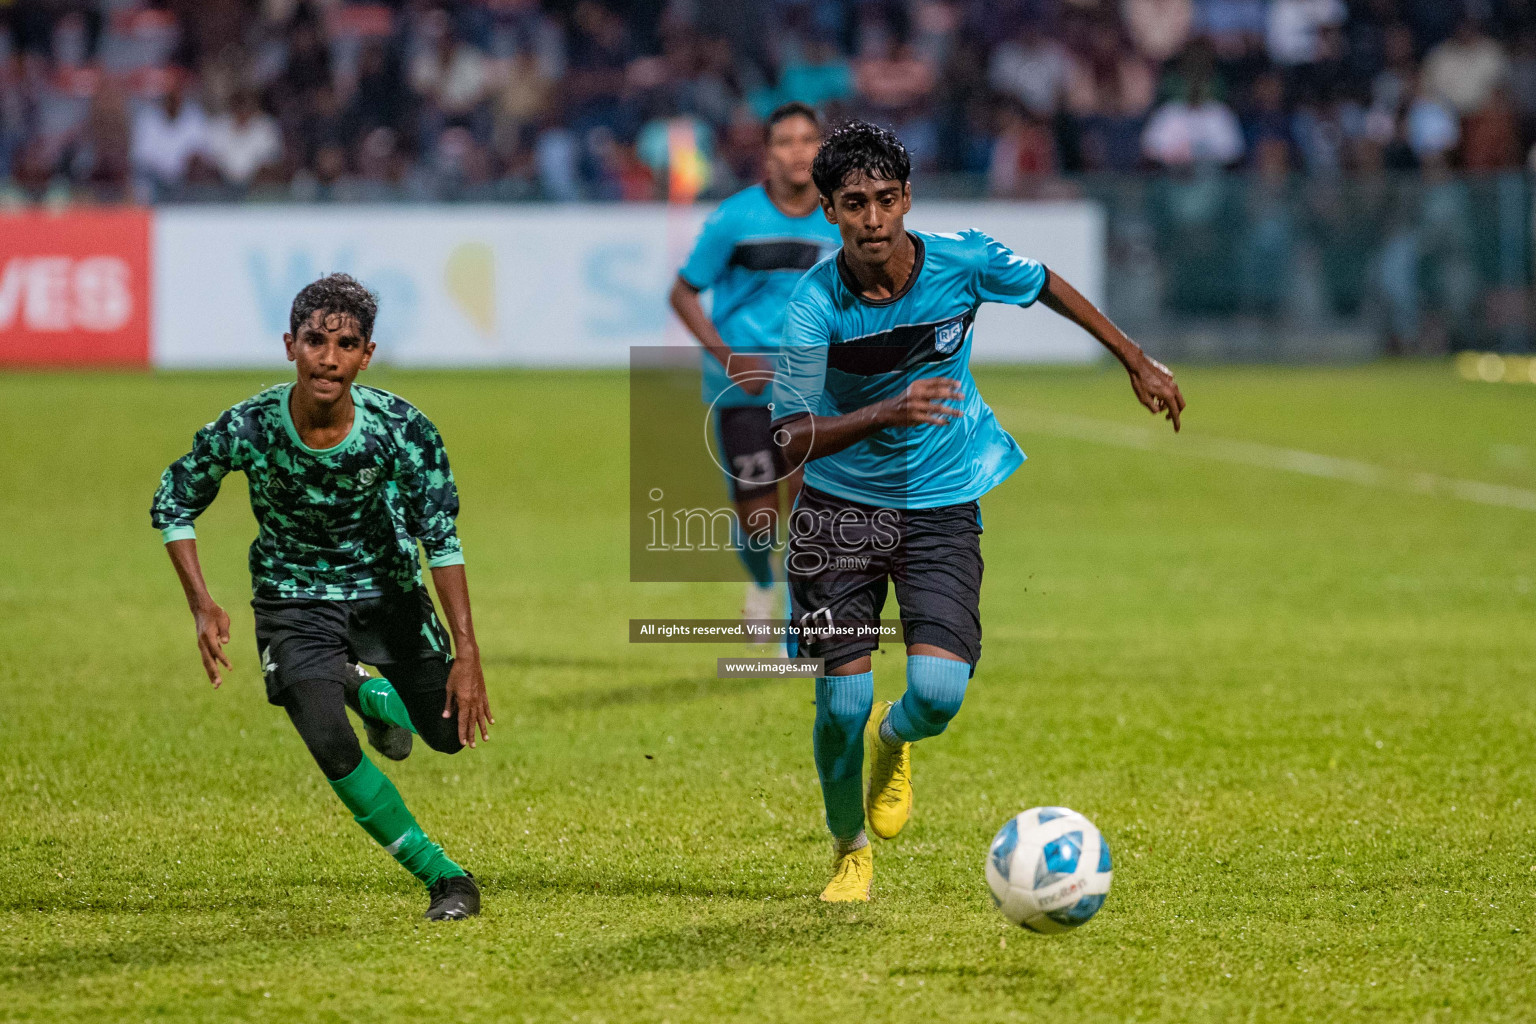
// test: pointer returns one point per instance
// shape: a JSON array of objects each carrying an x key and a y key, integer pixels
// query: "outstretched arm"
[
  {"x": 1150, "y": 379},
  {"x": 466, "y": 681},
  {"x": 210, "y": 621},
  {"x": 749, "y": 372}
]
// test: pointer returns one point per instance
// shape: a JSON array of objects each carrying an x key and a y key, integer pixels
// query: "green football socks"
[
  {"x": 375, "y": 803},
  {"x": 378, "y": 699}
]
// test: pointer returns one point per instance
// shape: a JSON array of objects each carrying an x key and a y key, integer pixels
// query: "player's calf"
[
  {"x": 935, "y": 691},
  {"x": 842, "y": 709}
]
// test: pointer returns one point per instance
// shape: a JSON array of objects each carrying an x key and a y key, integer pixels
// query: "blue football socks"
[
  {"x": 935, "y": 688},
  {"x": 842, "y": 709}
]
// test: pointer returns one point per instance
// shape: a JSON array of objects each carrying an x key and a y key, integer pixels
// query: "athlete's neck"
[
  {"x": 792, "y": 200},
  {"x": 321, "y": 424},
  {"x": 883, "y": 280}
]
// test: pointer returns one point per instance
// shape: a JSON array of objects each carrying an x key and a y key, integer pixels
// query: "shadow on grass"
[
  {"x": 529, "y": 660},
  {"x": 783, "y": 934},
  {"x": 675, "y": 691},
  {"x": 533, "y": 884},
  {"x": 806, "y": 935},
  {"x": 193, "y": 941}
]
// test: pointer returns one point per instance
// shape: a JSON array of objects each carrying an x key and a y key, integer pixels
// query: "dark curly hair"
[
  {"x": 859, "y": 147},
  {"x": 335, "y": 293}
]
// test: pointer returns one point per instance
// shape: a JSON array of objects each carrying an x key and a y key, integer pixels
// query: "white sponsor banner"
[{"x": 522, "y": 285}]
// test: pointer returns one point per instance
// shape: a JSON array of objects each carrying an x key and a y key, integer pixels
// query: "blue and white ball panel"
[{"x": 1049, "y": 869}]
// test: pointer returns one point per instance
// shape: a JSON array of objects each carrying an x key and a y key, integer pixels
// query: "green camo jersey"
[{"x": 338, "y": 524}]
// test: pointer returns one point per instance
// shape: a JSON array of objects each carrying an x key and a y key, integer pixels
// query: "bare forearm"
[
  {"x": 453, "y": 592},
  {"x": 815, "y": 437},
  {"x": 1060, "y": 297},
  {"x": 210, "y": 621},
  {"x": 190, "y": 571},
  {"x": 685, "y": 303},
  {"x": 931, "y": 401},
  {"x": 1151, "y": 380}
]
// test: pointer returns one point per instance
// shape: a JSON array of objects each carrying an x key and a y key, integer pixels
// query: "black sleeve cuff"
[{"x": 1043, "y": 285}]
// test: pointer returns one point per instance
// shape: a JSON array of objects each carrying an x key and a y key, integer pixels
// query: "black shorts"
[
  {"x": 841, "y": 555},
  {"x": 754, "y": 464},
  {"x": 299, "y": 640}
]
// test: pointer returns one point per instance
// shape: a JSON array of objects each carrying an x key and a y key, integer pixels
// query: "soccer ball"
[{"x": 1049, "y": 869}]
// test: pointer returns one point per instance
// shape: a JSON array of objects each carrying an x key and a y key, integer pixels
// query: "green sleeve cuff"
[
  {"x": 171, "y": 533},
  {"x": 448, "y": 558}
]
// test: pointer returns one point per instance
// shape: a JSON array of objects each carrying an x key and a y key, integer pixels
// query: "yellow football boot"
[
  {"x": 888, "y": 797},
  {"x": 852, "y": 874}
]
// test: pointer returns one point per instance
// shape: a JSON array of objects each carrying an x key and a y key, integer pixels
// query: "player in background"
[
  {"x": 874, "y": 393},
  {"x": 344, "y": 481},
  {"x": 750, "y": 254}
]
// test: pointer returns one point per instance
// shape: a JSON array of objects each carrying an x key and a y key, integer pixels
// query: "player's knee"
[
  {"x": 935, "y": 691},
  {"x": 846, "y": 700},
  {"x": 933, "y": 711},
  {"x": 337, "y": 754},
  {"x": 443, "y": 736}
]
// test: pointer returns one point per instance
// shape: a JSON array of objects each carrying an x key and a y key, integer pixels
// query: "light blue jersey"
[
  {"x": 749, "y": 256},
  {"x": 842, "y": 352}
]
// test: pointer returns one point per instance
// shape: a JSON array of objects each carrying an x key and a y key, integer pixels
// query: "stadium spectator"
[
  {"x": 1432, "y": 128},
  {"x": 892, "y": 78},
  {"x": 451, "y": 77},
  {"x": 1331, "y": 85},
  {"x": 1193, "y": 131},
  {"x": 1466, "y": 68},
  {"x": 1031, "y": 68},
  {"x": 1294, "y": 29},
  {"x": 1266, "y": 126},
  {"x": 1023, "y": 157},
  {"x": 1522, "y": 84},
  {"x": 1107, "y": 78},
  {"x": 814, "y": 73},
  {"x": 1110, "y": 89},
  {"x": 379, "y": 98},
  {"x": 245, "y": 142},
  {"x": 1491, "y": 134},
  {"x": 169, "y": 137},
  {"x": 557, "y": 159},
  {"x": 1158, "y": 28},
  {"x": 1234, "y": 27},
  {"x": 1393, "y": 85},
  {"x": 101, "y": 157}
]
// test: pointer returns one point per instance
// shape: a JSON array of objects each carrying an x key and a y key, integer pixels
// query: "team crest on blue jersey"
[{"x": 948, "y": 336}]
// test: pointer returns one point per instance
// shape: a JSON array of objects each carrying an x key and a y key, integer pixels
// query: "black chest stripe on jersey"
[
  {"x": 897, "y": 349},
  {"x": 776, "y": 254}
]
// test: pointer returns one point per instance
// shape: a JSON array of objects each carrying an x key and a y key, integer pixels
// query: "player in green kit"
[{"x": 345, "y": 482}]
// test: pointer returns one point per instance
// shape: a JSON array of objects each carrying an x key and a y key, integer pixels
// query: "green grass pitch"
[{"x": 1300, "y": 708}]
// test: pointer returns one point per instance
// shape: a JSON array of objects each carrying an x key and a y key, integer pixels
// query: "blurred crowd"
[{"x": 159, "y": 100}]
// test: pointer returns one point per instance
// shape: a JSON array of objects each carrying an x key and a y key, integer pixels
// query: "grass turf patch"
[{"x": 1299, "y": 709}]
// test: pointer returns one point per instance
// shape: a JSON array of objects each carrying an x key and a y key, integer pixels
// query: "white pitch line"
[{"x": 1264, "y": 456}]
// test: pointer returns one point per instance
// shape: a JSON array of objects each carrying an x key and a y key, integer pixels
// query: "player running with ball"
[
  {"x": 344, "y": 481},
  {"x": 873, "y": 393}
]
